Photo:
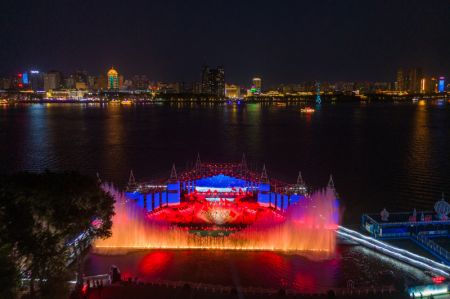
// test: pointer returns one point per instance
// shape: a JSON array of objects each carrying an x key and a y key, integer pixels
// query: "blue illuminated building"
[
  {"x": 25, "y": 78},
  {"x": 441, "y": 84}
]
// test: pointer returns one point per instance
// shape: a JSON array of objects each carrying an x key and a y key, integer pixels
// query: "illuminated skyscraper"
[
  {"x": 256, "y": 84},
  {"x": 206, "y": 82},
  {"x": 415, "y": 75},
  {"x": 213, "y": 81},
  {"x": 441, "y": 84},
  {"x": 400, "y": 86},
  {"x": 423, "y": 85},
  {"x": 409, "y": 80},
  {"x": 113, "y": 79},
  {"x": 52, "y": 80},
  {"x": 33, "y": 80}
]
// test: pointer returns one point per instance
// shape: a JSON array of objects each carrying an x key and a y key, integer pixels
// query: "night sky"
[{"x": 282, "y": 41}]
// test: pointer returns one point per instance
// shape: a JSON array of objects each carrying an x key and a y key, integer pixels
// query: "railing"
[
  {"x": 77, "y": 246},
  {"x": 96, "y": 280},
  {"x": 432, "y": 246},
  {"x": 400, "y": 222},
  {"x": 104, "y": 280},
  {"x": 395, "y": 252}
]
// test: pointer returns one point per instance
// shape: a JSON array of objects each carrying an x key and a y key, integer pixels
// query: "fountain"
[{"x": 309, "y": 226}]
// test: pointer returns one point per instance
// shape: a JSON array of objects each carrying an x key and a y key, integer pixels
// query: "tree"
[
  {"x": 41, "y": 214},
  {"x": 9, "y": 276}
]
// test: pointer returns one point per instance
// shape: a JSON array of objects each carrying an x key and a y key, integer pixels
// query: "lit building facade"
[
  {"x": 409, "y": 80},
  {"x": 213, "y": 81},
  {"x": 52, "y": 81},
  {"x": 140, "y": 82},
  {"x": 256, "y": 85},
  {"x": 31, "y": 80},
  {"x": 441, "y": 84},
  {"x": 113, "y": 79},
  {"x": 232, "y": 91}
]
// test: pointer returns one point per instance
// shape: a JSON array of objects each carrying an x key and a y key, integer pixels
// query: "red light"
[
  {"x": 19, "y": 75},
  {"x": 438, "y": 279}
]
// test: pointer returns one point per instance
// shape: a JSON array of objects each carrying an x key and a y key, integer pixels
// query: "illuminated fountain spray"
[{"x": 309, "y": 226}]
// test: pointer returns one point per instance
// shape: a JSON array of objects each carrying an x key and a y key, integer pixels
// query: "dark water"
[
  {"x": 381, "y": 155},
  {"x": 262, "y": 269}
]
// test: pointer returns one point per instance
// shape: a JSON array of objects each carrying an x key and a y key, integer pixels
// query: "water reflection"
[
  {"x": 37, "y": 146},
  {"x": 259, "y": 269},
  {"x": 113, "y": 149},
  {"x": 378, "y": 152},
  {"x": 418, "y": 158}
]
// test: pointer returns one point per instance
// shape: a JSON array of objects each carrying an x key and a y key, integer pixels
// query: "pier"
[{"x": 421, "y": 228}]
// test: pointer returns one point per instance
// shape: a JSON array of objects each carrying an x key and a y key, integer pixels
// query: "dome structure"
[{"x": 112, "y": 72}]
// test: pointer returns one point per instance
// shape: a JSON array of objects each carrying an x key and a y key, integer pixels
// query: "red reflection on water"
[
  {"x": 273, "y": 260},
  {"x": 276, "y": 263},
  {"x": 305, "y": 283},
  {"x": 154, "y": 263},
  {"x": 125, "y": 275}
]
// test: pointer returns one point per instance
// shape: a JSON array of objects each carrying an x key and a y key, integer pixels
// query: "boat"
[{"x": 307, "y": 109}]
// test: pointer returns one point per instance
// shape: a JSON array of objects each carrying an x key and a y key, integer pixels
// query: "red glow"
[
  {"x": 438, "y": 279},
  {"x": 84, "y": 289},
  {"x": 239, "y": 207},
  {"x": 274, "y": 260},
  {"x": 304, "y": 283},
  {"x": 154, "y": 263}
]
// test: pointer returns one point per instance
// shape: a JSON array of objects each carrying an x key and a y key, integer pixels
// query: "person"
[{"x": 115, "y": 274}]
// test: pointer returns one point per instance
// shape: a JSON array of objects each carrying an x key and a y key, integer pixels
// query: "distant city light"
[
  {"x": 441, "y": 85},
  {"x": 25, "y": 78}
]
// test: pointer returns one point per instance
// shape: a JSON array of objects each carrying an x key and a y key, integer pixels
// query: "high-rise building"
[
  {"x": 140, "y": 82},
  {"x": 32, "y": 79},
  {"x": 101, "y": 83},
  {"x": 400, "y": 80},
  {"x": 432, "y": 85},
  {"x": 213, "y": 81},
  {"x": 121, "y": 80},
  {"x": 409, "y": 80},
  {"x": 113, "y": 79},
  {"x": 415, "y": 76},
  {"x": 218, "y": 79},
  {"x": 256, "y": 85},
  {"x": 206, "y": 83},
  {"x": 197, "y": 87},
  {"x": 5, "y": 83},
  {"x": 441, "y": 84},
  {"x": 91, "y": 80},
  {"x": 52, "y": 80},
  {"x": 423, "y": 85}
]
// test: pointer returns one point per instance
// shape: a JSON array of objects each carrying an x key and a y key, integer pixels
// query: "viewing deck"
[{"x": 420, "y": 228}]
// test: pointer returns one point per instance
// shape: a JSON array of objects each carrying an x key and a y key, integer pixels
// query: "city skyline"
[{"x": 167, "y": 41}]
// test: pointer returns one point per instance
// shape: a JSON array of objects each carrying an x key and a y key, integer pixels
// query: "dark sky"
[{"x": 282, "y": 41}]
